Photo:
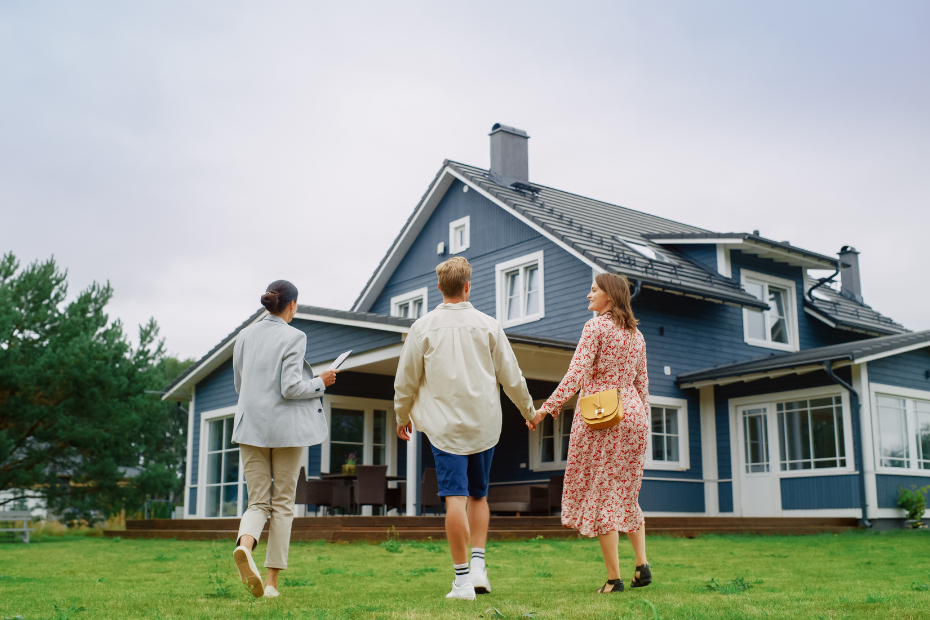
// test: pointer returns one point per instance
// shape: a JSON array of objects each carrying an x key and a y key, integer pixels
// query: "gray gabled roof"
[
  {"x": 845, "y": 313},
  {"x": 852, "y": 352},
  {"x": 365, "y": 317},
  {"x": 590, "y": 227}
]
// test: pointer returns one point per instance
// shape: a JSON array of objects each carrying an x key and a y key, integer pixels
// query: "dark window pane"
[
  {"x": 227, "y": 443},
  {"x": 824, "y": 431},
  {"x": 213, "y": 501},
  {"x": 245, "y": 496},
  {"x": 338, "y": 453},
  {"x": 840, "y": 433},
  {"x": 548, "y": 449},
  {"x": 567, "y": 417},
  {"x": 216, "y": 435},
  {"x": 347, "y": 425},
  {"x": 548, "y": 428},
  {"x": 671, "y": 421},
  {"x": 230, "y": 500},
  {"x": 379, "y": 434},
  {"x": 658, "y": 448},
  {"x": 231, "y": 466},
  {"x": 797, "y": 435},
  {"x": 214, "y": 468},
  {"x": 379, "y": 456},
  {"x": 671, "y": 443}
]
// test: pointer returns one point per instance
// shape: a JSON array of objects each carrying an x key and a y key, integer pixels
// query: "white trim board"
[
  {"x": 898, "y": 351},
  {"x": 408, "y": 296},
  {"x": 684, "y": 454}
]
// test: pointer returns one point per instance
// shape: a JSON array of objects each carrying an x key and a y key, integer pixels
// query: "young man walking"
[{"x": 452, "y": 363}]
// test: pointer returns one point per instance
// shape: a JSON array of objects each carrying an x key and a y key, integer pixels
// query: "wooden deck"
[{"x": 348, "y": 528}]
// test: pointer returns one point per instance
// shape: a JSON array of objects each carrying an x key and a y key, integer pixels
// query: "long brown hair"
[{"x": 617, "y": 288}]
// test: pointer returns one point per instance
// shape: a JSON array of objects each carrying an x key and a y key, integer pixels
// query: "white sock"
[
  {"x": 477, "y": 559},
  {"x": 461, "y": 574}
]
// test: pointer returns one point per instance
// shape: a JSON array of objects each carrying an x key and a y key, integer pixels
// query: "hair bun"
[{"x": 270, "y": 301}]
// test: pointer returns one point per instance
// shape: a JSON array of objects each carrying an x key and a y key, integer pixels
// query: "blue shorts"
[{"x": 463, "y": 475}]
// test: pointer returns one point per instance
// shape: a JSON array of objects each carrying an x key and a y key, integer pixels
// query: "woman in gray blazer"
[{"x": 280, "y": 412}]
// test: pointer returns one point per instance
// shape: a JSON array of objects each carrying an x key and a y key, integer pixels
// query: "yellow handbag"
[{"x": 604, "y": 409}]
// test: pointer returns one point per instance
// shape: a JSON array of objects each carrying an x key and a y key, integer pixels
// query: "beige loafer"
[{"x": 248, "y": 572}]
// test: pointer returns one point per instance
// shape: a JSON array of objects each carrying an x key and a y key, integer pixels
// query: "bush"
[{"x": 914, "y": 502}]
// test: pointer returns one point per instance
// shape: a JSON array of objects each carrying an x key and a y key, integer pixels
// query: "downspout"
[
  {"x": 822, "y": 281},
  {"x": 857, "y": 436},
  {"x": 637, "y": 289}
]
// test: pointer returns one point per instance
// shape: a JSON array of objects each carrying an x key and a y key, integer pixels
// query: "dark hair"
[
  {"x": 278, "y": 294},
  {"x": 617, "y": 288}
]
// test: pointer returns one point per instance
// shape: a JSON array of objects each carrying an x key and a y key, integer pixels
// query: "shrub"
[{"x": 914, "y": 502}]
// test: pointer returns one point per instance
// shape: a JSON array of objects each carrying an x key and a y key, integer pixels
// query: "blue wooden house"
[{"x": 772, "y": 393}]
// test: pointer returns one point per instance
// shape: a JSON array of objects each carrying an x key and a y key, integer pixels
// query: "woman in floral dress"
[{"x": 605, "y": 467}]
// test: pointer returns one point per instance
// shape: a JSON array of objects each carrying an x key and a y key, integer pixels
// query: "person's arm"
[
  {"x": 293, "y": 384},
  {"x": 641, "y": 382},
  {"x": 510, "y": 376},
  {"x": 407, "y": 381},
  {"x": 582, "y": 365}
]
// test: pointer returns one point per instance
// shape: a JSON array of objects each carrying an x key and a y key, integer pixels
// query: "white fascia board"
[
  {"x": 407, "y": 237},
  {"x": 898, "y": 351},
  {"x": 366, "y": 358},
  {"x": 819, "y": 316},
  {"x": 384, "y": 327},
  {"x": 542, "y": 231},
  {"x": 205, "y": 367}
]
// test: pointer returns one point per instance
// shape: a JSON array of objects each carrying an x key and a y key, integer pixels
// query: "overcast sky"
[{"x": 192, "y": 152}]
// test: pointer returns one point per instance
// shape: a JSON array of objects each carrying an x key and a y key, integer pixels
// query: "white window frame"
[
  {"x": 791, "y": 311},
  {"x": 368, "y": 405},
  {"x": 909, "y": 395},
  {"x": 454, "y": 247},
  {"x": 684, "y": 455},
  {"x": 409, "y": 297},
  {"x": 500, "y": 271},
  {"x": 536, "y": 436},
  {"x": 205, "y": 418},
  {"x": 770, "y": 400}
]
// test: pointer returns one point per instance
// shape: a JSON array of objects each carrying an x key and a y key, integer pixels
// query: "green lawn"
[{"x": 857, "y": 575}]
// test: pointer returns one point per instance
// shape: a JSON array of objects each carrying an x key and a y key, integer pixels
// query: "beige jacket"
[{"x": 447, "y": 379}]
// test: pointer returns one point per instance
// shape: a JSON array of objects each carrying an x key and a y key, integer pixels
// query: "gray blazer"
[{"x": 280, "y": 402}]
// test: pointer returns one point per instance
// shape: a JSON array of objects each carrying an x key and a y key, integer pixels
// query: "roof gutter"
[{"x": 857, "y": 436}]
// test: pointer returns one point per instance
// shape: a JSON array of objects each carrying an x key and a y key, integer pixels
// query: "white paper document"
[{"x": 339, "y": 360}]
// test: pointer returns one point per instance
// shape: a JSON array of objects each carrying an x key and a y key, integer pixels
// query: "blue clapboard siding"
[
  {"x": 887, "y": 487},
  {"x": 663, "y": 496},
  {"x": 906, "y": 370},
  {"x": 725, "y": 496},
  {"x": 314, "y": 459},
  {"x": 326, "y": 341},
  {"x": 216, "y": 391},
  {"x": 820, "y": 492},
  {"x": 704, "y": 253},
  {"x": 496, "y": 237}
]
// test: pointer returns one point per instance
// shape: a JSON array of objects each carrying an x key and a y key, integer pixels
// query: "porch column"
[
  {"x": 860, "y": 381},
  {"x": 413, "y": 471},
  {"x": 709, "y": 451}
]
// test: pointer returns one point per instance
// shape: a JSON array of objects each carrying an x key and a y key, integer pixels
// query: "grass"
[{"x": 870, "y": 575}]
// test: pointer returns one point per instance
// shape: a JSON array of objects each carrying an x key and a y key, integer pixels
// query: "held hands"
[
  {"x": 532, "y": 424},
  {"x": 403, "y": 431},
  {"x": 328, "y": 377}
]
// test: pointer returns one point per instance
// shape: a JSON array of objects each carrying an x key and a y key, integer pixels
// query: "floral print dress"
[{"x": 604, "y": 471}]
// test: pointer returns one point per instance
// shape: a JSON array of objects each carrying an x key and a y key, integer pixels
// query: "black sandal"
[
  {"x": 616, "y": 583},
  {"x": 644, "y": 579}
]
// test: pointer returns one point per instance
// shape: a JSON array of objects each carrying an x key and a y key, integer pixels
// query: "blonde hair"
[
  {"x": 617, "y": 288},
  {"x": 453, "y": 274}
]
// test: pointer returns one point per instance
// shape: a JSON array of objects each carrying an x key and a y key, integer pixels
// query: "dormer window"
[
  {"x": 643, "y": 250},
  {"x": 777, "y": 327},
  {"x": 460, "y": 235},
  {"x": 410, "y": 305}
]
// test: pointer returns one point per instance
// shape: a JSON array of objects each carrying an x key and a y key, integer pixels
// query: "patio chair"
[
  {"x": 316, "y": 492},
  {"x": 429, "y": 491},
  {"x": 397, "y": 498},
  {"x": 371, "y": 486},
  {"x": 555, "y": 493},
  {"x": 342, "y": 497}
]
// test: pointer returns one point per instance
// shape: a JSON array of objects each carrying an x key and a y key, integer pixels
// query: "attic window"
[
  {"x": 460, "y": 235},
  {"x": 643, "y": 250}
]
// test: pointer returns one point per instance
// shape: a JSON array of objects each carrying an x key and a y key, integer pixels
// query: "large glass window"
[
  {"x": 756, "y": 439},
  {"x": 520, "y": 290},
  {"x": 922, "y": 411},
  {"x": 810, "y": 433},
  {"x": 665, "y": 434},
  {"x": 776, "y": 327},
  {"x": 347, "y": 436},
  {"x": 224, "y": 479},
  {"x": 554, "y": 437},
  {"x": 892, "y": 429}
]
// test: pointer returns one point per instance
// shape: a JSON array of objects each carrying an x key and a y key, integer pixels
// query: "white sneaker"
[
  {"x": 466, "y": 592},
  {"x": 248, "y": 572},
  {"x": 271, "y": 592},
  {"x": 479, "y": 579}
]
